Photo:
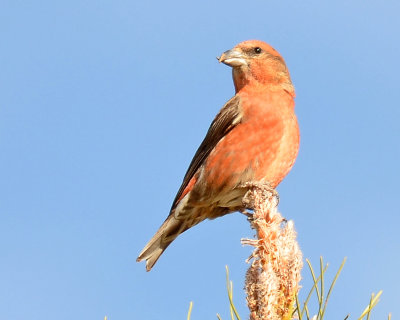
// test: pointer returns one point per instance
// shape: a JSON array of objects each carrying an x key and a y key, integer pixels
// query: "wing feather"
[{"x": 228, "y": 118}]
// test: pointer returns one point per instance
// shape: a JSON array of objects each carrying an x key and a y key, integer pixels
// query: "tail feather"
[{"x": 168, "y": 232}]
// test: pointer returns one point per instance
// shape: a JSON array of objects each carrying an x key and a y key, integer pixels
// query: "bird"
[{"x": 253, "y": 139}]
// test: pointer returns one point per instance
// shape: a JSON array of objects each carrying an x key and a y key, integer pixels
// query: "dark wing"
[{"x": 224, "y": 122}]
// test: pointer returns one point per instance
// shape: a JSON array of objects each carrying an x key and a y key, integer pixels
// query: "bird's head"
[{"x": 255, "y": 62}]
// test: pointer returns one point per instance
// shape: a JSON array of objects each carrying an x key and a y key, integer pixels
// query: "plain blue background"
[{"x": 102, "y": 106}]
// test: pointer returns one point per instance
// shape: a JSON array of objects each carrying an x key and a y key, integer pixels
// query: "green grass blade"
[
  {"x": 332, "y": 285},
  {"x": 307, "y": 313},
  {"x": 314, "y": 278},
  {"x": 298, "y": 309},
  {"x": 228, "y": 285},
  {"x": 319, "y": 286},
  {"x": 373, "y": 302},
  {"x": 230, "y": 307},
  {"x": 370, "y": 306},
  {"x": 315, "y": 286},
  {"x": 190, "y": 310},
  {"x": 322, "y": 288}
]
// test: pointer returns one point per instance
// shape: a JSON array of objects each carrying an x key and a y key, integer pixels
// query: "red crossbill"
[{"x": 254, "y": 138}]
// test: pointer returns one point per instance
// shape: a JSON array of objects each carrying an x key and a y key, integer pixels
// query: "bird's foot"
[{"x": 265, "y": 188}]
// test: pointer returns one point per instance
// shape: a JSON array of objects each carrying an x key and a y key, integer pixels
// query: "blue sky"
[{"x": 102, "y": 106}]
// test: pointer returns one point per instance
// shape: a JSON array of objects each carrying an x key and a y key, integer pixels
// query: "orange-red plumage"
[{"x": 254, "y": 138}]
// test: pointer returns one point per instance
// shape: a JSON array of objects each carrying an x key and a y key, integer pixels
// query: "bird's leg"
[{"x": 247, "y": 213}]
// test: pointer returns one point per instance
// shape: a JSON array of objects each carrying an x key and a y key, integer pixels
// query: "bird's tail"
[{"x": 169, "y": 230}]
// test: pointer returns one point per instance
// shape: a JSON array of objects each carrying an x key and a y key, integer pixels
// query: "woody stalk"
[{"x": 272, "y": 280}]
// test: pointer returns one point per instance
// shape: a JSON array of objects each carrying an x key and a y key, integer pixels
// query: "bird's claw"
[{"x": 248, "y": 214}]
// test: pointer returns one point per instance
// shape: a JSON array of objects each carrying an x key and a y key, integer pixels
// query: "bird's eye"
[{"x": 257, "y": 50}]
